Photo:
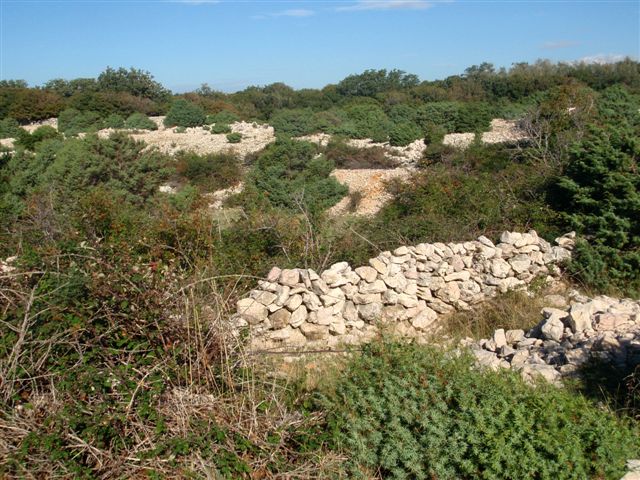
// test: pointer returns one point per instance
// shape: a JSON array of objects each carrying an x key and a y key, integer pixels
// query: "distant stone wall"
[{"x": 405, "y": 289}]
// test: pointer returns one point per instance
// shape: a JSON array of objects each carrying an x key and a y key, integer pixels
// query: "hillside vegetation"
[{"x": 115, "y": 296}]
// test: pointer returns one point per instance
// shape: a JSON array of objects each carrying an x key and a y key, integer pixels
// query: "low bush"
[
  {"x": 220, "y": 128},
  {"x": 433, "y": 134},
  {"x": 29, "y": 141},
  {"x": 405, "y": 411},
  {"x": 287, "y": 174},
  {"x": 403, "y": 134},
  {"x": 294, "y": 122},
  {"x": 184, "y": 114},
  {"x": 72, "y": 121},
  {"x": 234, "y": 137},
  {"x": 224, "y": 116},
  {"x": 346, "y": 156},
  {"x": 114, "y": 121},
  {"x": 139, "y": 121},
  {"x": 9, "y": 128},
  {"x": 209, "y": 172}
]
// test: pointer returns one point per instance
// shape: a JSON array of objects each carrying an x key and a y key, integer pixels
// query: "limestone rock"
[
  {"x": 314, "y": 332},
  {"x": 289, "y": 277},
  {"x": 298, "y": 317},
  {"x": 368, "y": 274},
  {"x": 252, "y": 311},
  {"x": 280, "y": 319}
]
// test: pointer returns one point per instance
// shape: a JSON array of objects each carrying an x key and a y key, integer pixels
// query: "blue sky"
[{"x": 231, "y": 44}]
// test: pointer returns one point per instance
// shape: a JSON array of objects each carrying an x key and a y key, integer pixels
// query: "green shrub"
[
  {"x": 405, "y": 411},
  {"x": 294, "y": 122},
  {"x": 114, "y": 121},
  {"x": 234, "y": 137},
  {"x": 403, "y": 134},
  {"x": 599, "y": 197},
  {"x": 369, "y": 121},
  {"x": 474, "y": 117},
  {"x": 210, "y": 172},
  {"x": 433, "y": 134},
  {"x": 346, "y": 156},
  {"x": 289, "y": 176},
  {"x": 9, "y": 128},
  {"x": 184, "y": 114},
  {"x": 180, "y": 130},
  {"x": 29, "y": 141},
  {"x": 220, "y": 128},
  {"x": 224, "y": 116},
  {"x": 139, "y": 121},
  {"x": 72, "y": 121}
]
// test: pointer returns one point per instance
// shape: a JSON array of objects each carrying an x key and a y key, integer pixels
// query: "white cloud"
[
  {"x": 388, "y": 5},
  {"x": 603, "y": 58},
  {"x": 296, "y": 12},
  {"x": 559, "y": 44}
]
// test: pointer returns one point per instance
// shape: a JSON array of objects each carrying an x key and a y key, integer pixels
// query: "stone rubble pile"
[
  {"x": 568, "y": 336},
  {"x": 405, "y": 289}
]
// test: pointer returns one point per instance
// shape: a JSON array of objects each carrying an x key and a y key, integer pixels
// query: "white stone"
[
  {"x": 298, "y": 316},
  {"x": 377, "y": 286},
  {"x": 289, "y": 277},
  {"x": 252, "y": 311},
  {"x": 368, "y": 274}
]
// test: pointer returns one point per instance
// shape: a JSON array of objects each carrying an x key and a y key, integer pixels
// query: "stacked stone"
[
  {"x": 406, "y": 289},
  {"x": 601, "y": 328}
]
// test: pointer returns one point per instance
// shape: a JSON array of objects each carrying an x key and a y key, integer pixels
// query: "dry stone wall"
[
  {"x": 405, "y": 290},
  {"x": 568, "y": 336}
]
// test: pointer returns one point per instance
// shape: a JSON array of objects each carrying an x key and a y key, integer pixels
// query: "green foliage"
[
  {"x": 406, "y": 411},
  {"x": 133, "y": 81},
  {"x": 346, "y": 156},
  {"x": 599, "y": 197},
  {"x": 224, "y": 117},
  {"x": 9, "y": 128},
  {"x": 139, "y": 121},
  {"x": 474, "y": 117},
  {"x": 288, "y": 176},
  {"x": 220, "y": 128},
  {"x": 234, "y": 137},
  {"x": 365, "y": 121},
  {"x": 210, "y": 172},
  {"x": 29, "y": 141},
  {"x": 403, "y": 134},
  {"x": 114, "y": 121},
  {"x": 295, "y": 122},
  {"x": 434, "y": 134},
  {"x": 371, "y": 82},
  {"x": 72, "y": 121},
  {"x": 184, "y": 114}
]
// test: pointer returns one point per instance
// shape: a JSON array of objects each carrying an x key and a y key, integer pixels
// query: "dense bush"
[
  {"x": 224, "y": 116},
  {"x": 29, "y": 105},
  {"x": 139, "y": 121},
  {"x": 599, "y": 195},
  {"x": 210, "y": 172},
  {"x": 220, "y": 128},
  {"x": 114, "y": 121},
  {"x": 30, "y": 140},
  {"x": 9, "y": 128},
  {"x": 184, "y": 114},
  {"x": 289, "y": 176},
  {"x": 234, "y": 137},
  {"x": 433, "y": 134},
  {"x": 412, "y": 412},
  {"x": 72, "y": 121},
  {"x": 404, "y": 133},
  {"x": 294, "y": 122},
  {"x": 346, "y": 156}
]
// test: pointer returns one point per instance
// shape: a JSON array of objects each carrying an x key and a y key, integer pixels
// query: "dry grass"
[
  {"x": 220, "y": 388},
  {"x": 513, "y": 310}
]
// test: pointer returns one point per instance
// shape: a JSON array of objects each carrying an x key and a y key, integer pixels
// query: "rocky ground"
[
  {"x": 254, "y": 138},
  {"x": 502, "y": 131},
  {"x": 368, "y": 187}
]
